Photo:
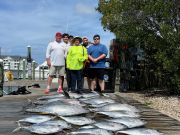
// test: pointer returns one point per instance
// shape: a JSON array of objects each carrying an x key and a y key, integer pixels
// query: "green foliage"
[{"x": 153, "y": 25}]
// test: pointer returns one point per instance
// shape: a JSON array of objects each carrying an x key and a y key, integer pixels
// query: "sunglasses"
[{"x": 96, "y": 39}]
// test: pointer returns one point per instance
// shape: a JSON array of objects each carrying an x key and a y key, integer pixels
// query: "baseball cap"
[{"x": 58, "y": 34}]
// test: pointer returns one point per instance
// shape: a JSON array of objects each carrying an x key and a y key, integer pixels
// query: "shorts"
[
  {"x": 86, "y": 72},
  {"x": 57, "y": 71},
  {"x": 96, "y": 73}
]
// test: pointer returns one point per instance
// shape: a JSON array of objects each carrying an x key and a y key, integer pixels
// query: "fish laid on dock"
[
  {"x": 140, "y": 131},
  {"x": 111, "y": 126},
  {"x": 93, "y": 131},
  {"x": 117, "y": 107},
  {"x": 119, "y": 114},
  {"x": 63, "y": 124},
  {"x": 43, "y": 129},
  {"x": 96, "y": 101},
  {"x": 78, "y": 120},
  {"x": 59, "y": 110},
  {"x": 36, "y": 119},
  {"x": 129, "y": 121}
]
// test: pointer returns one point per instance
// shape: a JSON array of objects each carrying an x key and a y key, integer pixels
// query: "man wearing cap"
[
  {"x": 55, "y": 57},
  {"x": 76, "y": 56},
  {"x": 97, "y": 53}
]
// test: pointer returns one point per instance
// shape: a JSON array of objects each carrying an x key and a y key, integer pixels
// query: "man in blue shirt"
[{"x": 97, "y": 55}]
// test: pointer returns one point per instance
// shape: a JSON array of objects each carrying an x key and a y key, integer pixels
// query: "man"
[
  {"x": 70, "y": 39},
  {"x": 55, "y": 57},
  {"x": 77, "y": 54},
  {"x": 67, "y": 45},
  {"x": 97, "y": 53},
  {"x": 66, "y": 42},
  {"x": 85, "y": 43}
]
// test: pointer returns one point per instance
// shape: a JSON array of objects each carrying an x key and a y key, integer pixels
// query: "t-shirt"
[
  {"x": 56, "y": 52},
  {"x": 95, "y": 51},
  {"x": 67, "y": 46},
  {"x": 75, "y": 57}
]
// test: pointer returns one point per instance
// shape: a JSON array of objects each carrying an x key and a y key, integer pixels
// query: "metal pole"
[
  {"x": 33, "y": 70},
  {"x": 24, "y": 69},
  {"x": 1, "y": 77},
  {"x": 18, "y": 70},
  {"x": 9, "y": 66},
  {"x": 29, "y": 62},
  {"x": 43, "y": 72},
  {"x": 39, "y": 72}
]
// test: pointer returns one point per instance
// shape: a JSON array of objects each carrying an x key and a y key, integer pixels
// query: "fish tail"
[{"x": 17, "y": 129}]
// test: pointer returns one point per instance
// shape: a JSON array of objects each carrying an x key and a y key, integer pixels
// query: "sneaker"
[
  {"x": 60, "y": 90},
  {"x": 46, "y": 91}
]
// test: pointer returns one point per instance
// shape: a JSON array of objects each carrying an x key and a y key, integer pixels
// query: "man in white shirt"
[
  {"x": 55, "y": 57},
  {"x": 66, "y": 43}
]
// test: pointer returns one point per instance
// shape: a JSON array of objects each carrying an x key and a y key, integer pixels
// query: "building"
[{"x": 15, "y": 64}]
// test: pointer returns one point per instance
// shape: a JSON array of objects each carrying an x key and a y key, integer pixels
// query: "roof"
[{"x": 15, "y": 57}]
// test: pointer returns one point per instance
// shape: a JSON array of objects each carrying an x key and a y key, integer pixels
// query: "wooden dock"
[
  {"x": 12, "y": 110},
  {"x": 154, "y": 119}
]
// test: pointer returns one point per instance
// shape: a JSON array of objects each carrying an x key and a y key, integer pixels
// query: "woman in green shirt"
[{"x": 76, "y": 56}]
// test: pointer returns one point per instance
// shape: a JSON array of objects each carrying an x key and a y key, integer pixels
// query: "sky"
[{"x": 34, "y": 23}]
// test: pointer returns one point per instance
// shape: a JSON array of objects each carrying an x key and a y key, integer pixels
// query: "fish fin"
[
  {"x": 92, "y": 109},
  {"x": 29, "y": 101},
  {"x": 66, "y": 94},
  {"x": 62, "y": 117}
]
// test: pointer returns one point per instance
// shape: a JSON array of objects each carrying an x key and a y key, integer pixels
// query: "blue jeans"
[{"x": 76, "y": 78}]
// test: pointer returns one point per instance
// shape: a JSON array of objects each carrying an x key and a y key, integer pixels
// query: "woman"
[{"x": 76, "y": 56}]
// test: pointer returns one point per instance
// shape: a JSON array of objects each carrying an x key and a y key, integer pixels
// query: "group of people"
[{"x": 68, "y": 55}]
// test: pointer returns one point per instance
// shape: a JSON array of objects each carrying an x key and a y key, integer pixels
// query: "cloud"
[
  {"x": 84, "y": 9},
  {"x": 34, "y": 22}
]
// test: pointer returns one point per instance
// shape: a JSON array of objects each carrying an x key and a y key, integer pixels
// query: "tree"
[{"x": 153, "y": 25}]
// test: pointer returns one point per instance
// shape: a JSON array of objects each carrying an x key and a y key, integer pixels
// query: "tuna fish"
[
  {"x": 66, "y": 101},
  {"x": 96, "y": 101},
  {"x": 51, "y": 97},
  {"x": 63, "y": 124},
  {"x": 116, "y": 107},
  {"x": 74, "y": 95},
  {"x": 111, "y": 126},
  {"x": 140, "y": 131},
  {"x": 129, "y": 122},
  {"x": 90, "y": 95},
  {"x": 40, "y": 128},
  {"x": 36, "y": 119},
  {"x": 78, "y": 120},
  {"x": 59, "y": 110},
  {"x": 118, "y": 114},
  {"x": 93, "y": 131},
  {"x": 42, "y": 102}
]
